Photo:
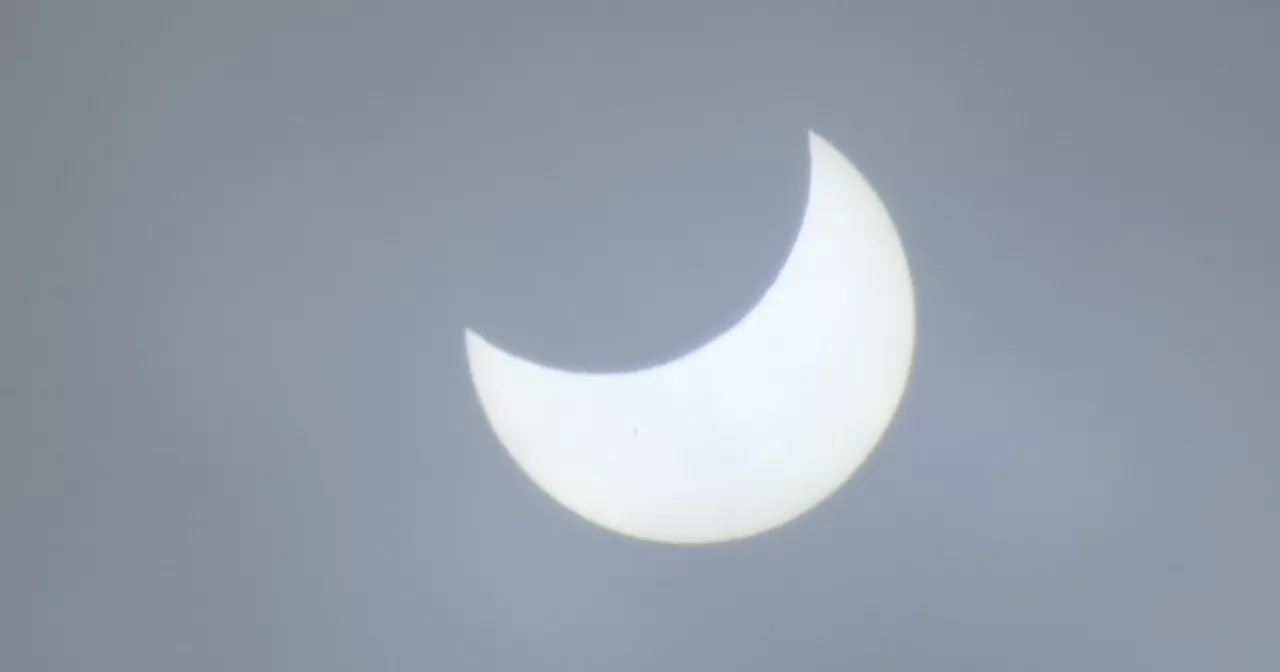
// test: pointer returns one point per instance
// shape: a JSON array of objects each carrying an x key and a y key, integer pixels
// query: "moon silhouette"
[{"x": 755, "y": 427}]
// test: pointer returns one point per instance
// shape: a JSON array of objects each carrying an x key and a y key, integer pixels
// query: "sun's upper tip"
[{"x": 818, "y": 144}]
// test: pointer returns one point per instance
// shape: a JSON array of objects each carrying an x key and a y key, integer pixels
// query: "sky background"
[{"x": 240, "y": 242}]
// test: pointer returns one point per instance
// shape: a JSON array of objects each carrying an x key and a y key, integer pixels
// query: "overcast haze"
[{"x": 241, "y": 241}]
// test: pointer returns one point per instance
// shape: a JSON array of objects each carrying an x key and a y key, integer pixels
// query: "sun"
[{"x": 753, "y": 428}]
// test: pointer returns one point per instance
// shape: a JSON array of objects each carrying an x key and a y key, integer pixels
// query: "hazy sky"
[{"x": 239, "y": 242}]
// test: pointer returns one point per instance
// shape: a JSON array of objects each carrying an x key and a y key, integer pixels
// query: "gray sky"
[{"x": 240, "y": 241}]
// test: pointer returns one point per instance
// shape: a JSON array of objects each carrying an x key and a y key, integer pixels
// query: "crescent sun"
[{"x": 753, "y": 428}]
